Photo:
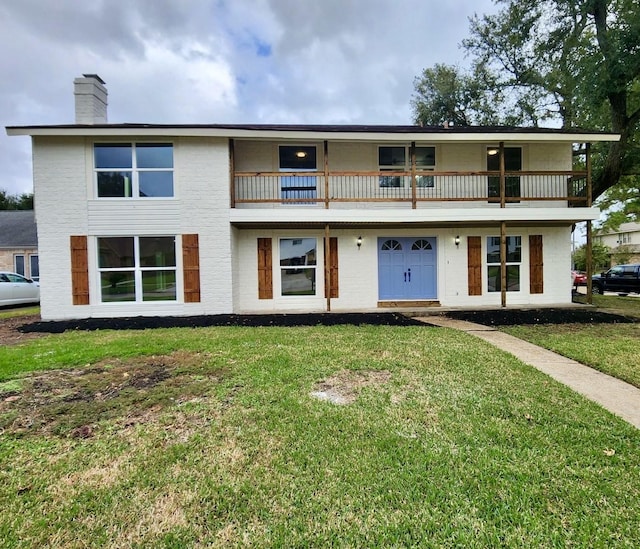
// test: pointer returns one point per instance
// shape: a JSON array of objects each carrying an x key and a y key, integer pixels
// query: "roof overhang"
[
  {"x": 407, "y": 217},
  {"x": 321, "y": 133}
]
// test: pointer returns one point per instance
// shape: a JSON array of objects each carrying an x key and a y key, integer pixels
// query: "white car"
[{"x": 15, "y": 289}]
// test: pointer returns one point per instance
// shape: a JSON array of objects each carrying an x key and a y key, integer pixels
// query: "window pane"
[
  {"x": 514, "y": 251},
  {"x": 297, "y": 157},
  {"x": 159, "y": 286},
  {"x": 154, "y": 155},
  {"x": 493, "y": 279},
  {"x": 297, "y": 251},
  {"x": 113, "y": 156},
  {"x": 114, "y": 184},
  {"x": 155, "y": 183},
  {"x": 513, "y": 278},
  {"x": 115, "y": 252},
  {"x": 392, "y": 156},
  {"x": 425, "y": 157},
  {"x": 298, "y": 281},
  {"x": 493, "y": 249},
  {"x": 34, "y": 264},
  {"x": 157, "y": 251},
  {"x": 118, "y": 286},
  {"x": 19, "y": 264}
]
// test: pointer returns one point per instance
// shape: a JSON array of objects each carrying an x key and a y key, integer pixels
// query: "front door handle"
[{"x": 409, "y": 272}]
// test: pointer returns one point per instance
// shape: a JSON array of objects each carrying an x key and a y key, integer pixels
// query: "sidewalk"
[{"x": 612, "y": 394}]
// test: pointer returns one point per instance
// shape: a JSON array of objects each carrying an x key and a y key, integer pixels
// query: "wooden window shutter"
[
  {"x": 191, "y": 268},
  {"x": 536, "y": 284},
  {"x": 265, "y": 272},
  {"x": 474, "y": 265},
  {"x": 79, "y": 270},
  {"x": 331, "y": 285}
]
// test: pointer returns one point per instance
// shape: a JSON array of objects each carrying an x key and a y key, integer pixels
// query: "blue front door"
[{"x": 407, "y": 268}]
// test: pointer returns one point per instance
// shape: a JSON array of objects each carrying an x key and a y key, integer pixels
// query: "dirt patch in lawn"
[
  {"x": 345, "y": 386},
  {"x": 73, "y": 402},
  {"x": 11, "y": 329}
]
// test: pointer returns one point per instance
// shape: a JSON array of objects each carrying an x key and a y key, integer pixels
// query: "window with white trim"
[
  {"x": 137, "y": 268},
  {"x": 298, "y": 266},
  {"x": 398, "y": 158},
  {"x": 514, "y": 259},
  {"x": 133, "y": 170}
]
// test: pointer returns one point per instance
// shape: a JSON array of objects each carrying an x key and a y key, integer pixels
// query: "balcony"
[{"x": 414, "y": 189}]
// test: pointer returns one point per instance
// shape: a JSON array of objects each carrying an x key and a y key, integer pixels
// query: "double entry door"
[{"x": 407, "y": 268}]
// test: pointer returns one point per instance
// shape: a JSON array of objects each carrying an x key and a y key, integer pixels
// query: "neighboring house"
[
  {"x": 159, "y": 219},
  {"x": 19, "y": 243},
  {"x": 623, "y": 243}
]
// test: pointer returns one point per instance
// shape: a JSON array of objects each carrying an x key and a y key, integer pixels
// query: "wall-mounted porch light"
[
  {"x": 359, "y": 242},
  {"x": 456, "y": 240}
]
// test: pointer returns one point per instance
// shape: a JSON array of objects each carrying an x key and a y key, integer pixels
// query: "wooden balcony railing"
[{"x": 401, "y": 186}]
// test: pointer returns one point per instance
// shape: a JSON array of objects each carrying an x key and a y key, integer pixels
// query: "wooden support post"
[
  {"x": 503, "y": 178},
  {"x": 326, "y": 174},
  {"x": 232, "y": 173},
  {"x": 327, "y": 265},
  {"x": 589, "y": 235},
  {"x": 503, "y": 264},
  {"x": 413, "y": 175}
]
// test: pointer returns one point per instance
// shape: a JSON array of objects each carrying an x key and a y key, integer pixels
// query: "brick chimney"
[{"x": 91, "y": 99}]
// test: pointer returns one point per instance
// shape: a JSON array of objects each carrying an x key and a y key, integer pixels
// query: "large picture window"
[
  {"x": 514, "y": 259},
  {"x": 398, "y": 158},
  {"x": 298, "y": 266},
  {"x": 137, "y": 268},
  {"x": 128, "y": 170}
]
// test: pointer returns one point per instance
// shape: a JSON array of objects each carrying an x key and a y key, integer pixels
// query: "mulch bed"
[
  {"x": 510, "y": 317},
  {"x": 497, "y": 317}
]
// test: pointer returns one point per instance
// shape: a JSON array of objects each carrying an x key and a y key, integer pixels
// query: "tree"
[
  {"x": 15, "y": 202},
  {"x": 573, "y": 62},
  {"x": 600, "y": 254}
]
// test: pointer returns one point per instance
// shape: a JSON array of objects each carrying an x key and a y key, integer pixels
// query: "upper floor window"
[
  {"x": 128, "y": 170},
  {"x": 398, "y": 159},
  {"x": 512, "y": 163},
  {"x": 298, "y": 158}
]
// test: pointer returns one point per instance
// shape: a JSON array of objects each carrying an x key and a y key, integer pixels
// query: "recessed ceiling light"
[{"x": 301, "y": 154}]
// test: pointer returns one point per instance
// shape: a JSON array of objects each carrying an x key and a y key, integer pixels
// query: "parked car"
[
  {"x": 623, "y": 279},
  {"x": 578, "y": 278},
  {"x": 15, "y": 289}
]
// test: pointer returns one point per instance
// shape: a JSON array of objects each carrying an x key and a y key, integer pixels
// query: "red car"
[{"x": 579, "y": 278}]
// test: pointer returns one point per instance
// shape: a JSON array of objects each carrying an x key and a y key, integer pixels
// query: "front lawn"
[{"x": 358, "y": 436}]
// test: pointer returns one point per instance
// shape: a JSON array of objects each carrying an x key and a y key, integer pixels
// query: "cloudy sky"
[{"x": 220, "y": 61}]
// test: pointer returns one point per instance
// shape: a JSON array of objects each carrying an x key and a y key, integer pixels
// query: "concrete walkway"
[{"x": 612, "y": 394}]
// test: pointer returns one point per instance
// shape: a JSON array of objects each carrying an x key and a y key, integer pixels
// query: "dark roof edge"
[{"x": 329, "y": 128}]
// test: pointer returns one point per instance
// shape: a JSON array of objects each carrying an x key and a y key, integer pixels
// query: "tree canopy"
[
  {"x": 575, "y": 63},
  {"x": 15, "y": 202}
]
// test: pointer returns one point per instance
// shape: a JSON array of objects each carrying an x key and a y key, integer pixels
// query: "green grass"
[
  {"x": 611, "y": 348},
  {"x": 448, "y": 443},
  {"x": 19, "y": 311}
]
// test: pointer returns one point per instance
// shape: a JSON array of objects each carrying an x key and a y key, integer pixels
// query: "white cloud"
[{"x": 207, "y": 61}]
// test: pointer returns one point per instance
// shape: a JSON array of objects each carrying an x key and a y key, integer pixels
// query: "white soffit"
[{"x": 310, "y": 135}]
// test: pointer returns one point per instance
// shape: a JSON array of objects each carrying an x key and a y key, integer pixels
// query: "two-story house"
[
  {"x": 624, "y": 243},
  {"x": 154, "y": 219}
]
